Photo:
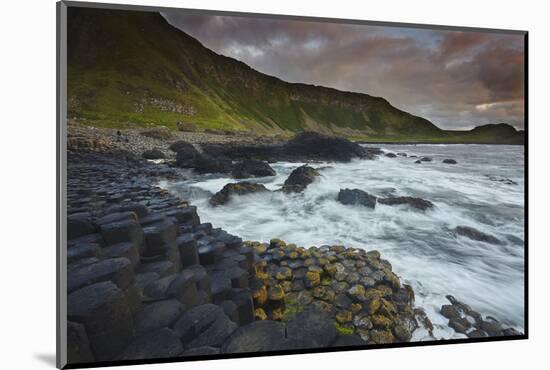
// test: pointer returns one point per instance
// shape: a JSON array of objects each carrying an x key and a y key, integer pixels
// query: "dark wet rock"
[
  {"x": 401, "y": 154},
  {"x": 449, "y": 161},
  {"x": 162, "y": 343},
  {"x": 259, "y": 336},
  {"x": 425, "y": 159},
  {"x": 477, "y": 333},
  {"x": 81, "y": 251},
  {"x": 157, "y": 315},
  {"x": 162, "y": 267},
  {"x": 299, "y": 179},
  {"x": 201, "y": 351},
  {"x": 240, "y": 188},
  {"x": 122, "y": 231},
  {"x": 304, "y": 146},
  {"x": 356, "y": 197},
  {"x": 207, "y": 164},
  {"x": 78, "y": 226},
  {"x": 215, "y": 334},
  {"x": 311, "y": 329},
  {"x": 511, "y": 332},
  {"x": 187, "y": 246},
  {"x": 195, "y": 321},
  {"x": 153, "y": 154},
  {"x": 103, "y": 311},
  {"x": 116, "y": 217},
  {"x": 159, "y": 237},
  {"x": 185, "y": 154},
  {"x": 78, "y": 346},
  {"x": 460, "y": 325},
  {"x": 251, "y": 168},
  {"x": 117, "y": 270},
  {"x": 348, "y": 341},
  {"x": 180, "y": 146},
  {"x": 184, "y": 289},
  {"x": 501, "y": 179},
  {"x": 450, "y": 311},
  {"x": 418, "y": 161},
  {"x": 474, "y": 234},
  {"x": 322, "y": 147},
  {"x": 128, "y": 250},
  {"x": 156, "y": 288},
  {"x": 417, "y": 203},
  {"x": 492, "y": 328},
  {"x": 391, "y": 155}
]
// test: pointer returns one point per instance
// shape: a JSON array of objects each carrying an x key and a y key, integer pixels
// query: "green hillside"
[{"x": 132, "y": 69}]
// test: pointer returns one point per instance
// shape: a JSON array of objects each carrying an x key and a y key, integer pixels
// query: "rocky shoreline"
[{"x": 147, "y": 279}]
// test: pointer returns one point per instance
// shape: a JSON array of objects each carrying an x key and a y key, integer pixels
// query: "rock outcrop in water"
[
  {"x": 251, "y": 168},
  {"x": 466, "y": 321},
  {"x": 299, "y": 179},
  {"x": 418, "y": 203},
  {"x": 474, "y": 234},
  {"x": 239, "y": 188},
  {"x": 303, "y": 147},
  {"x": 449, "y": 161},
  {"x": 356, "y": 197},
  {"x": 153, "y": 154}
]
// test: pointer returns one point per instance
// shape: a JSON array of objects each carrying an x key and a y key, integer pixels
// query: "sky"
[{"x": 457, "y": 80}]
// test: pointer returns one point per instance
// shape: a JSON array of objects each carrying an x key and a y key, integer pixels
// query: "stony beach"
[{"x": 147, "y": 279}]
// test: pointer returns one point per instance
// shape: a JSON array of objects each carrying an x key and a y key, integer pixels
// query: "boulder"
[
  {"x": 356, "y": 197},
  {"x": 259, "y": 336},
  {"x": 203, "y": 163},
  {"x": 153, "y": 154},
  {"x": 103, "y": 311},
  {"x": 425, "y": 159},
  {"x": 449, "y": 161},
  {"x": 299, "y": 179},
  {"x": 251, "y": 168},
  {"x": 391, "y": 155},
  {"x": 162, "y": 343},
  {"x": 474, "y": 234},
  {"x": 240, "y": 188},
  {"x": 322, "y": 147},
  {"x": 181, "y": 145},
  {"x": 185, "y": 154},
  {"x": 417, "y": 203}
]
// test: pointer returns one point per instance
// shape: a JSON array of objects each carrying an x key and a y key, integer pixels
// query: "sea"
[{"x": 484, "y": 190}]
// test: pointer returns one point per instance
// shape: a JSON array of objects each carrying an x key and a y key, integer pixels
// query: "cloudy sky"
[{"x": 457, "y": 80}]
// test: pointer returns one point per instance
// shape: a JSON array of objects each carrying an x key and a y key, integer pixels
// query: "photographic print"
[{"x": 241, "y": 184}]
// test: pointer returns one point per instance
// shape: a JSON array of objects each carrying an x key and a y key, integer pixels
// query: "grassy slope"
[{"x": 125, "y": 67}]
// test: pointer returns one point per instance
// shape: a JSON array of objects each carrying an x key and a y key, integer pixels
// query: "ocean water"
[{"x": 421, "y": 247}]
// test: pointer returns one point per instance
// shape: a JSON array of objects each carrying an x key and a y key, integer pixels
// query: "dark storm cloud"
[{"x": 455, "y": 79}]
